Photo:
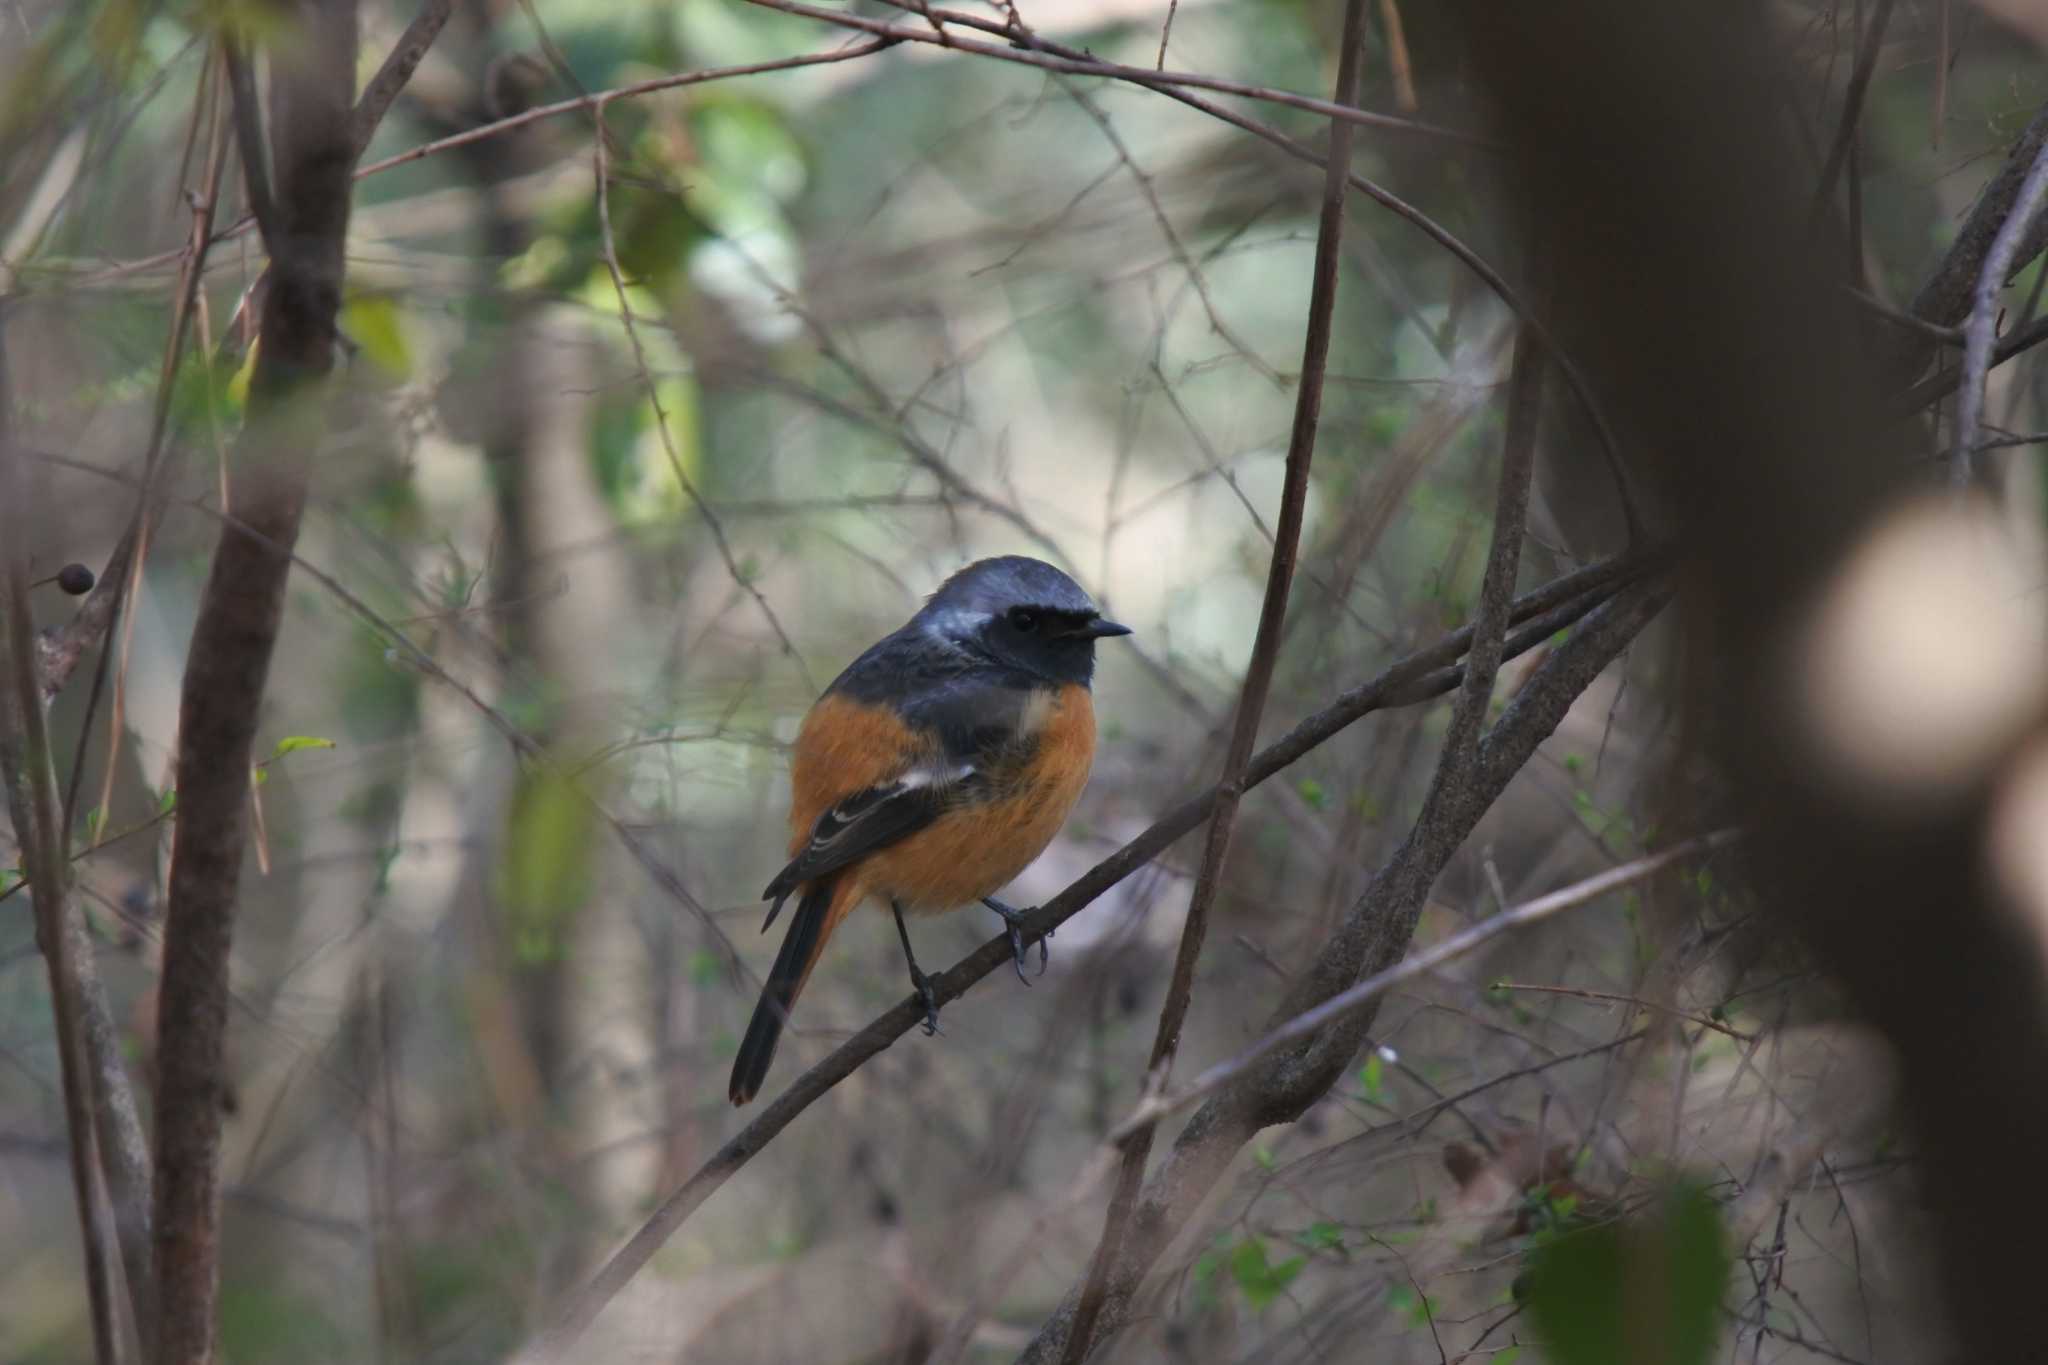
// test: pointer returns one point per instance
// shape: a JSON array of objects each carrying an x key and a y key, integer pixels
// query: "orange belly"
[{"x": 970, "y": 853}]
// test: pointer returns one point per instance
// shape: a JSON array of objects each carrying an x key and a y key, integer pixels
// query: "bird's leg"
[
  {"x": 1011, "y": 914},
  {"x": 918, "y": 979}
]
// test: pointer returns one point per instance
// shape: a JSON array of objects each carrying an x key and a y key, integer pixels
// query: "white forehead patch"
[{"x": 955, "y": 623}]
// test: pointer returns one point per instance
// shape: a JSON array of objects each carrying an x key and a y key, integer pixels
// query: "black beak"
[{"x": 1101, "y": 628}]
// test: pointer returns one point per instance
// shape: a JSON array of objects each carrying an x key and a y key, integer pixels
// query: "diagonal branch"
[
  {"x": 1421, "y": 676},
  {"x": 1945, "y": 298},
  {"x": 1310, "y": 1021},
  {"x": 1023, "y": 48},
  {"x": 1258, "y": 679},
  {"x": 1374, "y": 936},
  {"x": 1981, "y": 330},
  {"x": 1457, "y": 771},
  {"x": 399, "y": 64},
  {"x": 1022, "y": 43}
]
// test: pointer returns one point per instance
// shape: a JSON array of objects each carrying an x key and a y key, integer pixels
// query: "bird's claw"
[
  {"x": 1019, "y": 950},
  {"x": 926, "y": 994}
]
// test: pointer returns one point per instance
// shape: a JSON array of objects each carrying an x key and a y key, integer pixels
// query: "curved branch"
[
  {"x": 1374, "y": 936},
  {"x": 1421, "y": 676},
  {"x": 1258, "y": 678}
]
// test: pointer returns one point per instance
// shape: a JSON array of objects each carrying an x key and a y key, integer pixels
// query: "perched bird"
[{"x": 932, "y": 771}]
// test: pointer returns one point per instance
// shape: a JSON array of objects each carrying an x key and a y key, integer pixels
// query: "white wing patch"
[{"x": 930, "y": 775}]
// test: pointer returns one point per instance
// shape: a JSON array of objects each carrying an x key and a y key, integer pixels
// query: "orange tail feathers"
[{"x": 825, "y": 903}]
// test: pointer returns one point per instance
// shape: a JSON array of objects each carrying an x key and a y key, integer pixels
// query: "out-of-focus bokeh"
[{"x": 639, "y": 478}]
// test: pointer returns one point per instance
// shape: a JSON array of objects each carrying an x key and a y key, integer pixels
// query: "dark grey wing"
[
  {"x": 971, "y": 708},
  {"x": 871, "y": 819}
]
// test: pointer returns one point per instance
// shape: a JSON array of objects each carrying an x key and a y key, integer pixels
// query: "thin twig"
[
  {"x": 1032, "y": 52},
  {"x": 411, "y": 655},
  {"x": 1421, "y": 964},
  {"x": 1376, "y": 931},
  {"x": 1852, "y": 106},
  {"x": 601, "y": 162},
  {"x": 593, "y": 102},
  {"x": 1933, "y": 331},
  {"x": 1616, "y": 998},
  {"x": 248, "y": 120},
  {"x": 1981, "y": 329},
  {"x": 399, "y": 64},
  {"x": 1610, "y": 445},
  {"x": 1258, "y": 680},
  {"x": 94, "y": 618},
  {"x": 1936, "y": 387},
  {"x": 498, "y": 128},
  {"x": 1426, "y": 674},
  {"x": 30, "y": 777}
]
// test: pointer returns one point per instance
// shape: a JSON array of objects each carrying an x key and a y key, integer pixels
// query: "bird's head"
[{"x": 1023, "y": 613}]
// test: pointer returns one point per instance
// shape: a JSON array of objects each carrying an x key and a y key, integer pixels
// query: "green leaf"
[
  {"x": 1259, "y": 1279},
  {"x": 1645, "y": 1292},
  {"x": 543, "y": 874},
  {"x": 1321, "y": 1236},
  {"x": 1312, "y": 792},
  {"x": 372, "y": 322},
  {"x": 291, "y": 744},
  {"x": 1373, "y": 1077}
]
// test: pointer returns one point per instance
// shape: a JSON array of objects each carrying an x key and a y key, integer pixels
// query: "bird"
[{"x": 933, "y": 771}]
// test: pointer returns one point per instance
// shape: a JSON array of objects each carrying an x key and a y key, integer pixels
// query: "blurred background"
[{"x": 639, "y": 480}]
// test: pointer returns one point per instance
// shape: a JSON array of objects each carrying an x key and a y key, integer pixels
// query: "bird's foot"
[
  {"x": 1011, "y": 915},
  {"x": 923, "y": 985}
]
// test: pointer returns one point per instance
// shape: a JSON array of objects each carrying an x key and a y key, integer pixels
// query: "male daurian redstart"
[{"x": 933, "y": 770}]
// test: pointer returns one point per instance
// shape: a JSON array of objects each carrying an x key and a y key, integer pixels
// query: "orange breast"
[{"x": 971, "y": 852}]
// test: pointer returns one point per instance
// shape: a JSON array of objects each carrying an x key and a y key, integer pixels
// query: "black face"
[{"x": 1023, "y": 613}]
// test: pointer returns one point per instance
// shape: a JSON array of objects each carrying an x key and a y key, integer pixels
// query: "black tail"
[{"x": 800, "y": 946}]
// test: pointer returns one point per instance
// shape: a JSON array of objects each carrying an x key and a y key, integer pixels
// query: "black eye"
[{"x": 1023, "y": 619}]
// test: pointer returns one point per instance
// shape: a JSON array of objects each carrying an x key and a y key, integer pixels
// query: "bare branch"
[
  {"x": 522, "y": 744},
  {"x": 591, "y": 103},
  {"x": 1981, "y": 329},
  {"x": 30, "y": 776},
  {"x": 1852, "y": 104},
  {"x": 240, "y": 612},
  {"x": 1610, "y": 445},
  {"x": 248, "y": 120},
  {"x": 403, "y": 59},
  {"x": 1428, "y": 673},
  {"x": 1373, "y": 937},
  {"x": 1030, "y": 52},
  {"x": 1936, "y": 387},
  {"x": 601, "y": 161},
  {"x": 1251, "y": 704},
  {"x": 1151, "y": 1111},
  {"x": 1947, "y": 296}
]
